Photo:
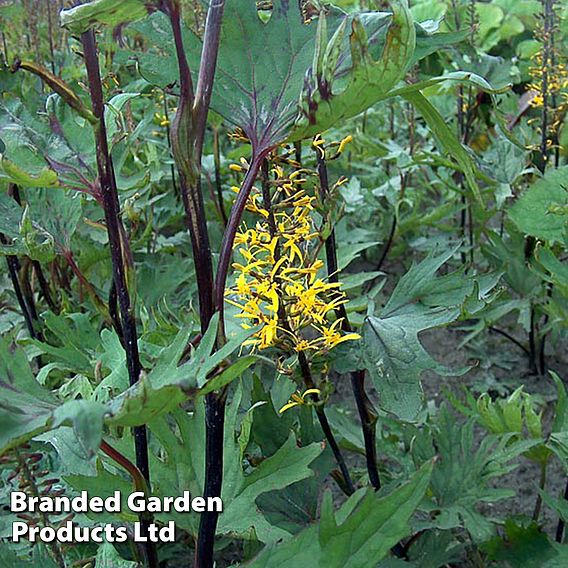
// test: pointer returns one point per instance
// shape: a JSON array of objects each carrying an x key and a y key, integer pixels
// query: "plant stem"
[
  {"x": 13, "y": 266},
  {"x": 365, "y": 408},
  {"x": 510, "y": 338},
  {"x": 137, "y": 478},
  {"x": 231, "y": 230},
  {"x": 214, "y": 443},
  {"x": 187, "y": 145},
  {"x": 542, "y": 343},
  {"x": 44, "y": 286},
  {"x": 541, "y": 485},
  {"x": 119, "y": 252},
  {"x": 29, "y": 477},
  {"x": 346, "y": 482},
  {"x": 560, "y": 526},
  {"x": 188, "y": 132},
  {"x": 532, "y": 342},
  {"x": 218, "y": 184},
  {"x": 389, "y": 242}
]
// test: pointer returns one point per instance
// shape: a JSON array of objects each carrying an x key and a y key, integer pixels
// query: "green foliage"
[
  {"x": 541, "y": 211},
  {"x": 430, "y": 199},
  {"x": 392, "y": 352},
  {"x": 367, "y": 526}
]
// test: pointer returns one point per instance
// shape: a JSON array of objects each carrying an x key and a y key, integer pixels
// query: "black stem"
[
  {"x": 113, "y": 312},
  {"x": 13, "y": 266},
  {"x": 365, "y": 408},
  {"x": 532, "y": 342},
  {"x": 188, "y": 133},
  {"x": 542, "y": 345},
  {"x": 389, "y": 242},
  {"x": 561, "y": 524},
  {"x": 231, "y": 230},
  {"x": 44, "y": 287},
  {"x": 510, "y": 338},
  {"x": 346, "y": 484},
  {"x": 214, "y": 441},
  {"x": 186, "y": 145},
  {"x": 119, "y": 253},
  {"x": 541, "y": 485}
]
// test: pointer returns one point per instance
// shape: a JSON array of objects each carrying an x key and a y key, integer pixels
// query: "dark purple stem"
[
  {"x": 232, "y": 227},
  {"x": 187, "y": 134},
  {"x": 364, "y": 407},
  {"x": 118, "y": 253}
]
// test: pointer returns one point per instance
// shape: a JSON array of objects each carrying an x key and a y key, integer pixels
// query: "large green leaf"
[
  {"x": 285, "y": 79},
  {"x": 105, "y": 12},
  {"x": 181, "y": 467},
  {"x": 542, "y": 211},
  {"x": 360, "y": 534},
  {"x": 334, "y": 90},
  {"x": 27, "y": 409},
  {"x": 391, "y": 350}
]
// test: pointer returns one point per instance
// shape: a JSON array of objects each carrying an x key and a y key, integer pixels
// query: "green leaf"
[
  {"x": 264, "y": 69},
  {"x": 107, "y": 12},
  {"x": 287, "y": 466},
  {"x": 391, "y": 350},
  {"x": 542, "y": 210},
  {"x": 464, "y": 475},
  {"x": 10, "y": 216},
  {"x": 446, "y": 138},
  {"x": 526, "y": 547},
  {"x": 430, "y": 41},
  {"x": 108, "y": 557},
  {"x": 358, "y": 535},
  {"x": 335, "y": 92},
  {"x": 181, "y": 466},
  {"x": 10, "y": 172},
  {"x": 29, "y": 409}
]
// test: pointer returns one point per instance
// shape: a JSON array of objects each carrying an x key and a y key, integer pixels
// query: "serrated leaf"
[
  {"x": 391, "y": 350},
  {"x": 357, "y": 536},
  {"x": 28, "y": 409}
]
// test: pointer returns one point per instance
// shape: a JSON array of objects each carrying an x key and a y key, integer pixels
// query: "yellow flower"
[
  {"x": 278, "y": 284},
  {"x": 298, "y": 399},
  {"x": 318, "y": 144},
  {"x": 344, "y": 143}
]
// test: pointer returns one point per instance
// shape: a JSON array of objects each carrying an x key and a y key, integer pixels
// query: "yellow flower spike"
[
  {"x": 242, "y": 285},
  {"x": 344, "y": 143},
  {"x": 341, "y": 181},
  {"x": 318, "y": 144},
  {"x": 297, "y": 399},
  {"x": 236, "y": 168}
]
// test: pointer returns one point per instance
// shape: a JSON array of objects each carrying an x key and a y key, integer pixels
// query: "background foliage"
[{"x": 439, "y": 126}]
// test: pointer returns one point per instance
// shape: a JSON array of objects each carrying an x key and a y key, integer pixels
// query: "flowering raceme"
[{"x": 279, "y": 285}]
